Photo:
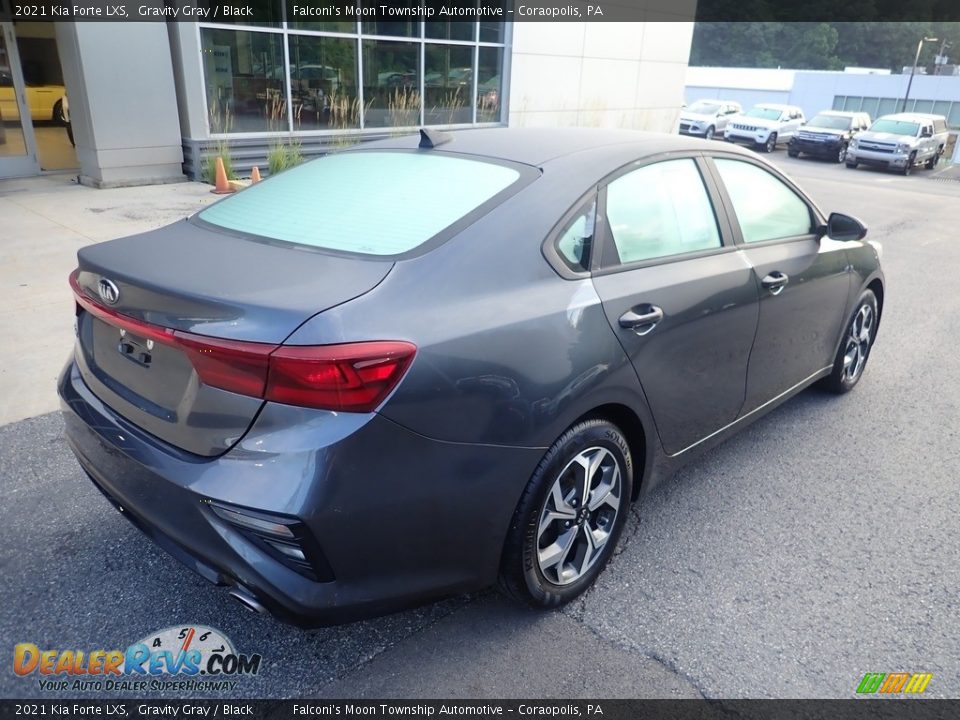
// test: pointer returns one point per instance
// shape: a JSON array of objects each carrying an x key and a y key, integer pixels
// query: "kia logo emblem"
[{"x": 109, "y": 292}]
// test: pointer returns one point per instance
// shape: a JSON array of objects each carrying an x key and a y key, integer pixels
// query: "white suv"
[{"x": 765, "y": 125}]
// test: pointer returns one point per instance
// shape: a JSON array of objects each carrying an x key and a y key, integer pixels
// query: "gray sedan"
[{"x": 424, "y": 365}]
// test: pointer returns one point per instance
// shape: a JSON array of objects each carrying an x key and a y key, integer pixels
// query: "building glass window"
[
  {"x": 350, "y": 74},
  {"x": 490, "y": 84},
  {"x": 246, "y": 80},
  {"x": 323, "y": 82},
  {"x": 394, "y": 28},
  {"x": 448, "y": 84},
  {"x": 391, "y": 83},
  {"x": 449, "y": 30}
]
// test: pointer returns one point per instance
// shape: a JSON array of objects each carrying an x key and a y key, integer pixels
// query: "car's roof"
[
  {"x": 911, "y": 116},
  {"x": 840, "y": 113},
  {"x": 776, "y": 106},
  {"x": 539, "y": 146}
]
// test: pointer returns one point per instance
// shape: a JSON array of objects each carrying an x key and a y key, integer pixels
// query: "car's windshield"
[
  {"x": 764, "y": 113},
  {"x": 376, "y": 203},
  {"x": 832, "y": 122},
  {"x": 704, "y": 108},
  {"x": 897, "y": 127}
]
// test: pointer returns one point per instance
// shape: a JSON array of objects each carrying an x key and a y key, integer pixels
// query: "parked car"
[
  {"x": 705, "y": 118},
  {"x": 337, "y": 412},
  {"x": 765, "y": 126},
  {"x": 42, "y": 99},
  {"x": 900, "y": 142},
  {"x": 828, "y": 134}
]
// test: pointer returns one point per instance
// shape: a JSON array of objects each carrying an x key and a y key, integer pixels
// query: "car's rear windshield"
[
  {"x": 764, "y": 113},
  {"x": 897, "y": 127},
  {"x": 832, "y": 122},
  {"x": 368, "y": 202}
]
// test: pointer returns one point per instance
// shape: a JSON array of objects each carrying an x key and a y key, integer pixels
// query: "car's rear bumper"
[{"x": 397, "y": 518}]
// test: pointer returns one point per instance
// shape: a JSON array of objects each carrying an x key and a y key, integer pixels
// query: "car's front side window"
[
  {"x": 661, "y": 210},
  {"x": 766, "y": 207}
]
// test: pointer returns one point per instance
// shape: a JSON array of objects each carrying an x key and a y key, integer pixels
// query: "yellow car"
[{"x": 45, "y": 101}]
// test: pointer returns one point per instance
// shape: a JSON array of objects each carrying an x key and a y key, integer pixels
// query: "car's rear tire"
[
  {"x": 57, "y": 115},
  {"x": 852, "y": 165},
  {"x": 854, "y": 350},
  {"x": 711, "y": 131},
  {"x": 793, "y": 153},
  {"x": 569, "y": 517},
  {"x": 935, "y": 158},
  {"x": 771, "y": 143}
]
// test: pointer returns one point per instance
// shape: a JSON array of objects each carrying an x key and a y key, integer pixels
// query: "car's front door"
[
  {"x": 803, "y": 280},
  {"x": 679, "y": 295}
]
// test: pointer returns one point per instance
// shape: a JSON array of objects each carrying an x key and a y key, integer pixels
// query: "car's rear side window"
[{"x": 374, "y": 203}]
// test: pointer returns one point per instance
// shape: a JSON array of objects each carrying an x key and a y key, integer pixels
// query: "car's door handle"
[
  {"x": 641, "y": 319},
  {"x": 775, "y": 282}
]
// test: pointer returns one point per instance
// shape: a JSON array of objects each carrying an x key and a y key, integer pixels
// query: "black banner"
[
  {"x": 271, "y": 12},
  {"x": 873, "y": 709}
]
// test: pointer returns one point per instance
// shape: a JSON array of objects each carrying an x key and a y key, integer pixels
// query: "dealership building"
[{"x": 151, "y": 101}]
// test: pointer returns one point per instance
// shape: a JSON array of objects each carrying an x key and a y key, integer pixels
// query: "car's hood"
[
  {"x": 756, "y": 122},
  {"x": 885, "y": 137},
  {"x": 821, "y": 130},
  {"x": 696, "y": 117}
]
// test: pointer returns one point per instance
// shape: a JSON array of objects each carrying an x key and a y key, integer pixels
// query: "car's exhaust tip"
[{"x": 247, "y": 599}]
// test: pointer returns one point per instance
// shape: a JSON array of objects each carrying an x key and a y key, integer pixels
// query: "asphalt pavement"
[{"x": 817, "y": 545}]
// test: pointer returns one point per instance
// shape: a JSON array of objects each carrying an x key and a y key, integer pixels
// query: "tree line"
[{"x": 822, "y": 46}]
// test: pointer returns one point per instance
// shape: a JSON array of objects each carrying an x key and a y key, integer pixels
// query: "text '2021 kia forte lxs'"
[{"x": 413, "y": 368}]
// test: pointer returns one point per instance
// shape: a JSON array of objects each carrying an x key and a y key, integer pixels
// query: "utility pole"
[
  {"x": 913, "y": 71},
  {"x": 941, "y": 57}
]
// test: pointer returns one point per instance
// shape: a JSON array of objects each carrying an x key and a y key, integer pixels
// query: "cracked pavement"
[{"x": 815, "y": 546}]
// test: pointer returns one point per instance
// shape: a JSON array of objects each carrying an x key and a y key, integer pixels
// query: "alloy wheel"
[
  {"x": 579, "y": 515},
  {"x": 858, "y": 343},
  {"x": 842, "y": 154}
]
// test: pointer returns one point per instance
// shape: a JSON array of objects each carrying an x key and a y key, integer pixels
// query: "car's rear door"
[
  {"x": 803, "y": 280},
  {"x": 678, "y": 294}
]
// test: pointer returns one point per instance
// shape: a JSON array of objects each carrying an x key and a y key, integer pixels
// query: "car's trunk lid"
[{"x": 191, "y": 279}]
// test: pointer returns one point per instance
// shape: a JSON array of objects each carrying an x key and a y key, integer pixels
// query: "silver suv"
[
  {"x": 901, "y": 142},
  {"x": 705, "y": 118}
]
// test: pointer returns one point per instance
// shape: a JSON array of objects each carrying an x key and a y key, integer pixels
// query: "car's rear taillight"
[{"x": 350, "y": 377}]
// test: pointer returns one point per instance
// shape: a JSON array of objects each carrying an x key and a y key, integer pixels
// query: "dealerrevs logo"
[{"x": 192, "y": 657}]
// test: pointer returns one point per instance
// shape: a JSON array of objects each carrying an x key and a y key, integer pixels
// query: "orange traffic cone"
[
  {"x": 255, "y": 175},
  {"x": 222, "y": 186}
]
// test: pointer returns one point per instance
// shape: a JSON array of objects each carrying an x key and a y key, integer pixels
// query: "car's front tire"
[
  {"x": 569, "y": 517},
  {"x": 711, "y": 131},
  {"x": 854, "y": 350},
  {"x": 771, "y": 143},
  {"x": 841, "y": 154},
  {"x": 911, "y": 161}
]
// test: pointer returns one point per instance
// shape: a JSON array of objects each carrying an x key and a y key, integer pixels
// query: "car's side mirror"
[{"x": 843, "y": 227}]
